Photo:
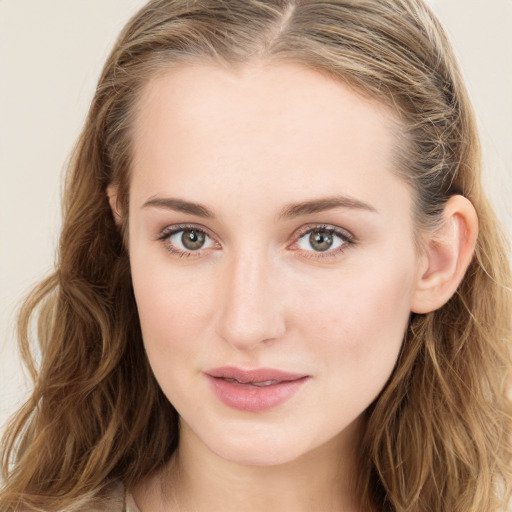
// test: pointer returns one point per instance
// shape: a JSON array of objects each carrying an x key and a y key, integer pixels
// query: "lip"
[{"x": 254, "y": 390}]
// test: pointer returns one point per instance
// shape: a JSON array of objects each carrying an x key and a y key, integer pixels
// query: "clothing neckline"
[{"x": 129, "y": 502}]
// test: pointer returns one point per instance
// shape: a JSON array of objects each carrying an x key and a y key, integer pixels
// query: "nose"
[{"x": 252, "y": 306}]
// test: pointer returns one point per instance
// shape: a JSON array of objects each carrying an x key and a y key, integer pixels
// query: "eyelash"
[{"x": 347, "y": 240}]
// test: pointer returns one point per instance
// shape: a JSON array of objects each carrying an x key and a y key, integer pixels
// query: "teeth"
[
  {"x": 265, "y": 383},
  {"x": 260, "y": 384}
]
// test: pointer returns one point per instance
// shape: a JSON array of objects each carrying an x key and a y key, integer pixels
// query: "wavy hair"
[{"x": 437, "y": 439}]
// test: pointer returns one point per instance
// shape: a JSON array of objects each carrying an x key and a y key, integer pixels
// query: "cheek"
[
  {"x": 173, "y": 310},
  {"x": 360, "y": 323}
]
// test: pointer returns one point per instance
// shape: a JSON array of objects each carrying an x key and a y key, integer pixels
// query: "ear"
[
  {"x": 112, "y": 199},
  {"x": 448, "y": 253}
]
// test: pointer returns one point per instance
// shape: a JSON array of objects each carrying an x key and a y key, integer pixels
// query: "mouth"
[
  {"x": 254, "y": 390},
  {"x": 259, "y": 384}
]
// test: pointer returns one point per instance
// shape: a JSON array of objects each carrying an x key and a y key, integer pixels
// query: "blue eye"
[{"x": 323, "y": 239}]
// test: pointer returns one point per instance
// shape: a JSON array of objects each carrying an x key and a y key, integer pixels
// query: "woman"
[{"x": 279, "y": 282}]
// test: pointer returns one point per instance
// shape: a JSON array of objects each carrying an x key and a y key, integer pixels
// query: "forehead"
[{"x": 202, "y": 126}]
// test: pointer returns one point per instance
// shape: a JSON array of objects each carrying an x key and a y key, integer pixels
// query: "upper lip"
[{"x": 256, "y": 375}]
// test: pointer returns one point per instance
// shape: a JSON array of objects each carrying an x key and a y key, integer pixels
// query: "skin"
[{"x": 258, "y": 294}]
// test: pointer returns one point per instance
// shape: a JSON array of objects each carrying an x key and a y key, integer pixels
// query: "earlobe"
[
  {"x": 448, "y": 253},
  {"x": 113, "y": 201}
]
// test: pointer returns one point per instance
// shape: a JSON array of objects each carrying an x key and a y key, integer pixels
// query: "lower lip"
[{"x": 247, "y": 397}]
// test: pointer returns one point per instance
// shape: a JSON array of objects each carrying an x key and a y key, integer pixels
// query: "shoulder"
[{"x": 111, "y": 499}]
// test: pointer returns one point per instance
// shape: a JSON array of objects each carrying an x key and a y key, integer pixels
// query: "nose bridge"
[{"x": 251, "y": 311}]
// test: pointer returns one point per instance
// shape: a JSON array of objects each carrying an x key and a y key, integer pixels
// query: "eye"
[
  {"x": 184, "y": 240},
  {"x": 324, "y": 239},
  {"x": 189, "y": 239}
]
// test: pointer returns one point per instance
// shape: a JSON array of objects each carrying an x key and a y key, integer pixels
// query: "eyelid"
[{"x": 344, "y": 233}]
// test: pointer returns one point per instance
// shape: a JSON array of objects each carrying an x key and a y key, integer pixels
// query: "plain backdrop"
[{"x": 51, "y": 53}]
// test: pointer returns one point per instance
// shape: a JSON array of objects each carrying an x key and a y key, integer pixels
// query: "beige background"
[{"x": 51, "y": 52}]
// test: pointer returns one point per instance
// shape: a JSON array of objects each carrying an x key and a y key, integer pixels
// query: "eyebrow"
[
  {"x": 287, "y": 212},
  {"x": 321, "y": 205},
  {"x": 179, "y": 205}
]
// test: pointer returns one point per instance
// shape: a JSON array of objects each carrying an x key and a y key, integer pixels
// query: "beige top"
[
  {"x": 116, "y": 499},
  {"x": 129, "y": 503}
]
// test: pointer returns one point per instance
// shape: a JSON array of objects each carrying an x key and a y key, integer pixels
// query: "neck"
[{"x": 198, "y": 480}]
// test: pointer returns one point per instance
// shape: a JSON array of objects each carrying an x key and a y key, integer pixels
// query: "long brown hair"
[{"x": 438, "y": 436}]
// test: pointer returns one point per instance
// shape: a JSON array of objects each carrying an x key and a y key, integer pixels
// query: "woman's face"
[{"x": 272, "y": 253}]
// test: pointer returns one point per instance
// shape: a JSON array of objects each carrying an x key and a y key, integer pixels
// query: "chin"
[
  {"x": 257, "y": 444},
  {"x": 258, "y": 455}
]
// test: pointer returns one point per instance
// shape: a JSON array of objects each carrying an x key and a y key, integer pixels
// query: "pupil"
[
  {"x": 192, "y": 239},
  {"x": 320, "y": 240}
]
